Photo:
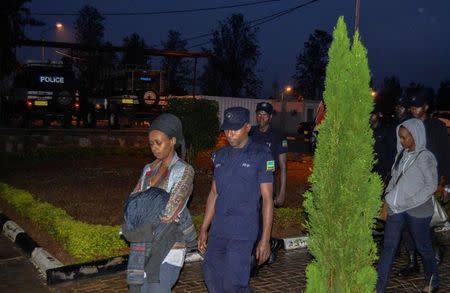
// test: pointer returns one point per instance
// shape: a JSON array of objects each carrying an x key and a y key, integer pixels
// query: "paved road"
[{"x": 17, "y": 274}]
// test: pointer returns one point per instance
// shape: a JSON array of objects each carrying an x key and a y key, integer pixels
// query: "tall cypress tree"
[{"x": 345, "y": 195}]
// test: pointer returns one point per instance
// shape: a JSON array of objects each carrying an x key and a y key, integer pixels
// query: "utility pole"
[{"x": 357, "y": 12}]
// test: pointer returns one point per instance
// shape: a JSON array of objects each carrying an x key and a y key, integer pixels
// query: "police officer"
[
  {"x": 385, "y": 143},
  {"x": 437, "y": 136},
  {"x": 243, "y": 173},
  {"x": 263, "y": 133},
  {"x": 401, "y": 110}
]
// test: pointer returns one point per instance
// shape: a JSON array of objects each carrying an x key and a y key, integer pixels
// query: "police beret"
[
  {"x": 234, "y": 118},
  {"x": 264, "y": 106}
]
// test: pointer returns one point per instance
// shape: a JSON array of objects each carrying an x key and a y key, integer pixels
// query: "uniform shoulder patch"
[
  {"x": 284, "y": 143},
  {"x": 270, "y": 165}
]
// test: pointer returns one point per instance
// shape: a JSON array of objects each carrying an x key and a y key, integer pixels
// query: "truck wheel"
[
  {"x": 151, "y": 98},
  {"x": 25, "y": 120},
  {"x": 91, "y": 120},
  {"x": 67, "y": 120},
  {"x": 46, "y": 121},
  {"x": 114, "y": 120}
]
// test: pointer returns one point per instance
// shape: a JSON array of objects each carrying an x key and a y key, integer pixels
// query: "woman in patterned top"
[{"x": 174, "y": 175}]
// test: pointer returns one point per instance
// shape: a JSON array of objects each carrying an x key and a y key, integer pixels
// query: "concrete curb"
[
  {"x": 55, "y": 272},
  {"x": 38, "y": 256},
  {"x": 288, "y": 244}
]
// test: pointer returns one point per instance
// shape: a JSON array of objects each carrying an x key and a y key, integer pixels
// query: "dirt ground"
[{"x": 95, "y": 190}]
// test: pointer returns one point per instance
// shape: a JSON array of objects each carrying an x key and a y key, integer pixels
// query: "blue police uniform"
[
  {"x": 238, "y": 173},
  {"x": 277, "y": 144}
]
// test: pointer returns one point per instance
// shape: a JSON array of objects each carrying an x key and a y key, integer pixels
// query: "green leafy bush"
[
  {"x": 198, "y": 220},
  {"x": 86, "y": 242},
  {"x": 285, "y": 217},
  {"x": 200, "y": 123},
  {"x": 83, "y": 241},
  {"x": 345, "y": 196}
]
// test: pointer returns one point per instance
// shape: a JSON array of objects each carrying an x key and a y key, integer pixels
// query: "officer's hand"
[
  {"x": 262, "y": 251},
  {"x": 202, "y": 241}
]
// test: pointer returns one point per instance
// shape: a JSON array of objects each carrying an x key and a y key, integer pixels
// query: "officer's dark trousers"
[{"x": 226, "y": 267}]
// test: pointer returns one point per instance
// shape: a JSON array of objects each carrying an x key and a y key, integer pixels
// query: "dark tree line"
[
  {"x": 178, "y": 70},
  {"x": 230, "y": 71},
  {"x": 14, "y": 17},
  {"x": 391, "y": 89},
  {"x": 311, "y": 64}
]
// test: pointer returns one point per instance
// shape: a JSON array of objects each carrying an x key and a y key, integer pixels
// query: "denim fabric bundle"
[
  {"x": 150, "y": 240},
  {"x": 144, "y": 208}
]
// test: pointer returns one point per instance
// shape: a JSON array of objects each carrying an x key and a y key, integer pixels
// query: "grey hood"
[
  {"x": 417, "y": 130},
  {"x": 414, "y": 174}
]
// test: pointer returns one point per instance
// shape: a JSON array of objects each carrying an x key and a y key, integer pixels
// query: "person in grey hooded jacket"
[{"x": 409, "y": 197}]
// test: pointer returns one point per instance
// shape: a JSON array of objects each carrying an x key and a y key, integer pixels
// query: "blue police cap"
[
  {"x": 234, "y": 118},
  {"x": 264, "y": 106}
]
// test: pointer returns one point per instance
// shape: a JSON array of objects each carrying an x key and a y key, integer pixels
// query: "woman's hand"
[{"x": 165, "y": 219}]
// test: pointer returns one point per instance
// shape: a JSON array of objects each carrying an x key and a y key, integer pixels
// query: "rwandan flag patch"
[
  {"x": 284, "y": 143},
  {"x": 270, "y": 165}
]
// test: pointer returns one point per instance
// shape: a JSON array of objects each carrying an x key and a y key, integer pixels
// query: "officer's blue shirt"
[
  {"x": 238, "y": 173},
  {"x": 277, "y": 144}
]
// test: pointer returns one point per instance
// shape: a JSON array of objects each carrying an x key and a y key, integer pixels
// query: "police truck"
[
  {"x": 125, "y": 96},
  {"x": 40, "y": 91}
]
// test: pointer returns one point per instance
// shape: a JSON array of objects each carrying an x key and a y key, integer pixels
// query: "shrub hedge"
[
  {"x": 200, "y": 123},
  {"x": 85, "y": 241},
  {"x": 81, "y": 240}
]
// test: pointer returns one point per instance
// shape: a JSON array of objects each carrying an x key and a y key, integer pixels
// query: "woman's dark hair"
[{"x": 171, "y": 126}]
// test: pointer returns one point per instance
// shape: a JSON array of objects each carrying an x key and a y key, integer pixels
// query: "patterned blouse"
[{"x": 177, "y": 180}]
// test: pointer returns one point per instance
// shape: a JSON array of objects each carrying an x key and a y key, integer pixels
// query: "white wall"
[
  {"x": 227, "y": 102},
  {"x": 296, "y": 110}
]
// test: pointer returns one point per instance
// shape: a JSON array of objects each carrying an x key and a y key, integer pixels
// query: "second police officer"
[{"x": 264, "y": 134}]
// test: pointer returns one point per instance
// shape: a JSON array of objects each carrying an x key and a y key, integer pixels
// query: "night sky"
[{"x": 408, "y": 38}]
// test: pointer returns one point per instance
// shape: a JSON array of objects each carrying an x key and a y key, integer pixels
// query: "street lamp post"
[
  {"x": 287, "y": 89},
  {"x": 58, "y": 26}
]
